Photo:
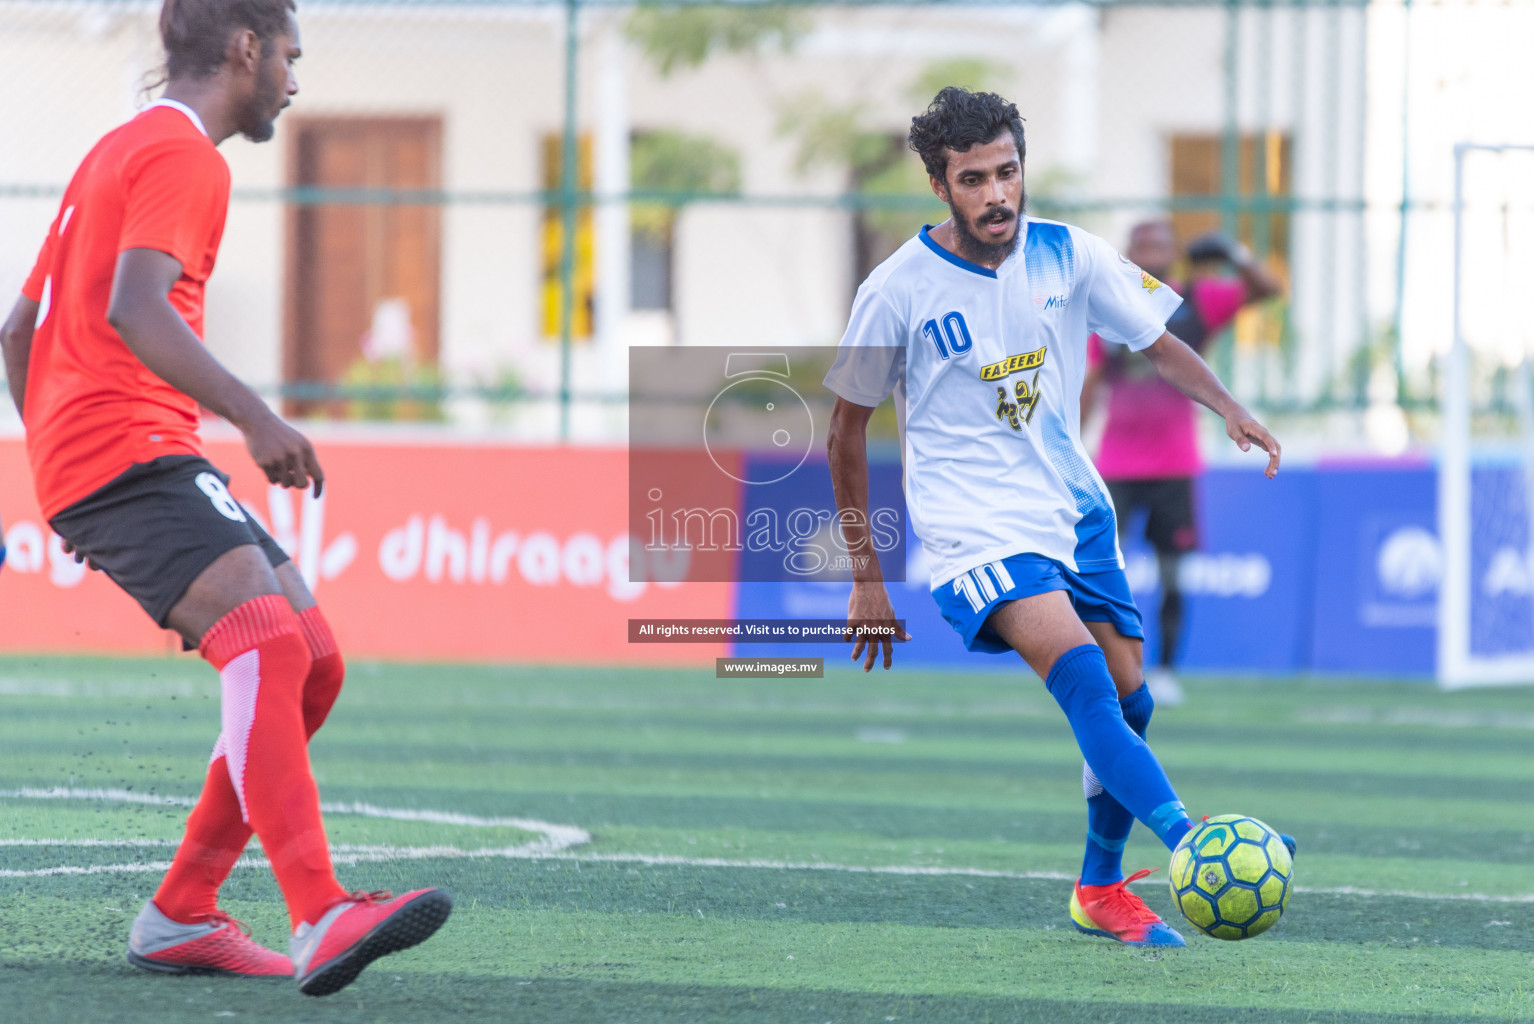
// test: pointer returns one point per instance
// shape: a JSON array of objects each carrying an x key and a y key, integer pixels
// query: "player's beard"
[
  {"x": 258, "y": 121},
  {"x": 975, "y": 248}
]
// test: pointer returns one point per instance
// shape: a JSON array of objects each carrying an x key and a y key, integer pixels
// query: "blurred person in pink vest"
[{"x": 1149, "y": 452}]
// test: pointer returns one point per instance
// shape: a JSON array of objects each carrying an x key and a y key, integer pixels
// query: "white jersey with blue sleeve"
[{"x": 990, "y": 366}]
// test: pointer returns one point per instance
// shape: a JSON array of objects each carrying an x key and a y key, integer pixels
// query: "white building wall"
[
  {"x": 1300, "y": 74},
  {"x": 1469, "y": 79},
  {"x": 1103, "y": 90}
]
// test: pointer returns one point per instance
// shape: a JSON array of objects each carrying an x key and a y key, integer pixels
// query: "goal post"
[{"x": 1486, "y": 459}]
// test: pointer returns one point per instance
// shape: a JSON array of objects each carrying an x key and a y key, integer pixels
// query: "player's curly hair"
[
  {"x": 958, "y": 119},
  {"x": 196, "y": 33}
]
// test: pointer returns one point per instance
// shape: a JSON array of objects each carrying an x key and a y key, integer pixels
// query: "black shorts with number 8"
[{"x": 157, "y": 526}]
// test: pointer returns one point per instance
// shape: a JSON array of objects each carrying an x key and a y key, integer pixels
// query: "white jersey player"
[{"x": 981, "y": 324}]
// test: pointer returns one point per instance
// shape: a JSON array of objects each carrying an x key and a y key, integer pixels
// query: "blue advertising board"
[
  {"x": 1328, "y": 569},
  {"x": 1374, "y": 608},
  {"x": 1246, "y": 584},
  {"x": 1502, "y": 583}
]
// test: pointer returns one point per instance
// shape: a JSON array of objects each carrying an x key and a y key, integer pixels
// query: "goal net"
[{"x": 1486, "y": 469}]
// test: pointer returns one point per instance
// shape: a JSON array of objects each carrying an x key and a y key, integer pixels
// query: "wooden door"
[
  {"x": 351, "y": 264},
  {"x": 1196, "y": 171}
]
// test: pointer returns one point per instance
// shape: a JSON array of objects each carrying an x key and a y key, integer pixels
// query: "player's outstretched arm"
[
  {"x": 141, "y": 312},
  {"x": 16, "y": 340},
  {"x": 1181, "y": 367},
  {"x": 869, "y": 606}
]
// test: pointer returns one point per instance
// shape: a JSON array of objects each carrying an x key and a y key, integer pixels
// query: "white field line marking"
[
  {"x": 349, "y": 855},
  {"x": 662, "y": 860},
  {"x": 1435, "y": 717},
  {"x": 552, "y": 839},
  {"x": 1049, "y": 876},
  {"x": 25, "y": 686},
  {"x": 556, "y": 842},
  {"x": 86, "y": 842},
  {"x": 116, "y": 796},
  {"x": 149, "y": 867}
]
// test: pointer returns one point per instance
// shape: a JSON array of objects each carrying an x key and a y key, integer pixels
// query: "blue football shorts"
[{"x": 968, "y": 600}]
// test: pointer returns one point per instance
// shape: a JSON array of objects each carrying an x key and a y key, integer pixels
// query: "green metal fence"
[{"x": 1287, "y": 122}]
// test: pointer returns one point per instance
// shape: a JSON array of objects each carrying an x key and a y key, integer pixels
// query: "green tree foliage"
[
  {"x": 844, "y": 135},
  {"x": 878, "y": 162},
  {"x": 676, "y": 162},
  {"x": 970, "y": 73},
  {"x": 685, "y": 37}
]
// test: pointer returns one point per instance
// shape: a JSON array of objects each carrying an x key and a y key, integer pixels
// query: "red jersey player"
[{"x": 106, "y": 365}]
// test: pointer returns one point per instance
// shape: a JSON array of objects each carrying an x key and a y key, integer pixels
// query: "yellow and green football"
[{"x": 1231, "y": 877}]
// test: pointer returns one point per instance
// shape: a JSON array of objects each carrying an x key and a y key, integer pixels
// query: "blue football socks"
[
  {"x": 1108, "y": 823},
  {"x": 1081, "y": 685}
]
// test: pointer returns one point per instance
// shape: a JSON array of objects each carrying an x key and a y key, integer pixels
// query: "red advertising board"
[{"x": 419, "y": 551}]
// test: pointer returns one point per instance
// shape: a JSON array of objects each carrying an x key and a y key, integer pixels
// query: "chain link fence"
[{"x": 472, "y": 210}]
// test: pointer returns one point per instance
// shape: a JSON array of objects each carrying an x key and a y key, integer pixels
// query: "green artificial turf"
[{"x": 895, "y": 847}]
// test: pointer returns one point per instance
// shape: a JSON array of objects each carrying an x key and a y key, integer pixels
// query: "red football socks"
[
  {"x": 215, "y": 837},
  {"x": 326, "y": 670},
  {"x": 275, "y": 694}
]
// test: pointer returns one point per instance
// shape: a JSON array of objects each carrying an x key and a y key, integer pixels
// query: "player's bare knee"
[
  {"x": 239, "y": 575},
  {"x": 293, "y": 587},
  {"x": 1128, "y": 672},
  {"x": 1125, "y": 667},
  {"x": 1040, "y": 628},
  {"x": 1125, "y": 656}
]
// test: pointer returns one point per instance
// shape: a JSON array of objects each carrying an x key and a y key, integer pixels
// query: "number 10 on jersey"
[{"x": 952, "y": 337}]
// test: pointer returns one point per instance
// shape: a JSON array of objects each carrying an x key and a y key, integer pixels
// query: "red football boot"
[
  {"x": 1114, "y": 912},
  {"x": 353, "y": 932},
  {"x": 219, "y": 945}
]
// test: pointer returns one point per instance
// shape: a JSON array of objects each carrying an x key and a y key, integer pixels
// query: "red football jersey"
[{"x": 91, "y": 408}]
